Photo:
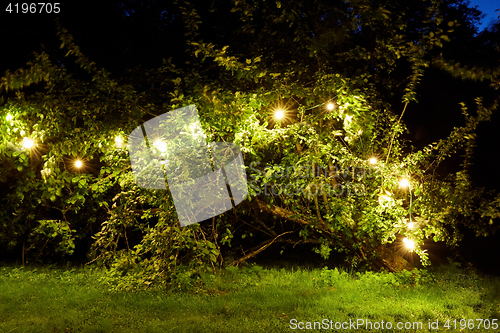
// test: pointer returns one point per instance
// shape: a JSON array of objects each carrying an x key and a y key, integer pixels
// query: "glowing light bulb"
[
  {"x": 279, "y": 114},
  {"x": 118, "y": 141},
  {"x": 78, "y": 163},
  {"x": 373, "y": 160},
  {"x": 404, "y": 183},
  {"x": 411, "y": 225},
  {"x": 160, "y": 145},
  {"x": 330, "y": 106},
  {"x": 410, "y": 245},
  {"x": 28, "y": 143}
]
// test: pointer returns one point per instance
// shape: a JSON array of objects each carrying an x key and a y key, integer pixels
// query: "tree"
[{"x": 328, "y": 173}]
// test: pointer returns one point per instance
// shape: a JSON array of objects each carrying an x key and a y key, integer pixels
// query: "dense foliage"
[{"x": 327, "y": 173}]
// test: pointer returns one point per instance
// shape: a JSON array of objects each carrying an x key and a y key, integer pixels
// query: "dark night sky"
[{"x": 488, "y": 8}]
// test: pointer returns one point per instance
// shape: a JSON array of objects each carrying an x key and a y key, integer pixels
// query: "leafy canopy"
[{"x": 328, "y": 173}]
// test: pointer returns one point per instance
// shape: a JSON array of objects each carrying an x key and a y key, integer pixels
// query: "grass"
[{"x": 252, "y": 299}]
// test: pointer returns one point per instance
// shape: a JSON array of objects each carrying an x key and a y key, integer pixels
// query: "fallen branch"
[
  {"x": 259, "y": 248},
  {"x": 287, "y": 215}
]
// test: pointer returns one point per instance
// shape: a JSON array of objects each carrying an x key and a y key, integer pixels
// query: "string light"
[
  {"x": 78, "y": 164},
  {"x": 330, "y": 106},
  {"x": 410, "y": 245},
  {"x": 118, "y": 141},
  {"x": 160, "y": 145},
  {"x": 373, "y": 160},
  {"x": 403, "y": 183},
  {"x": 28, "y": 143},
  {"x": 279, "y": 114}
]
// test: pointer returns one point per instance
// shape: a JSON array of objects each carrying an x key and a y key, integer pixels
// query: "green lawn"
[{"x": 248, "y": 300}]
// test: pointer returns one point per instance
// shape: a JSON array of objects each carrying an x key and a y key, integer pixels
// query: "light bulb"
[
  {"x": 160, "y": 145},
  {"x": 404, "y": 183},
  {"x": 78, "y": 163},
  {"x": 279, "y": 114},
  {"x": 411, "y": 225},
  {"x": 373, "y": 160},
  {"x": 330, "y": 106},
  {"x": 410, "y": 245},
  {"x": 28, "y": 143},
  {"x": 118, "y": 140}
]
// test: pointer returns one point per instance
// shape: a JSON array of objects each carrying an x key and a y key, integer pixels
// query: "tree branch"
[{"x": 259, "y": 248}]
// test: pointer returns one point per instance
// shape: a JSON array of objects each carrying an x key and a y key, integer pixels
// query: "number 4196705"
[{"x": 33, "y": 8}]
